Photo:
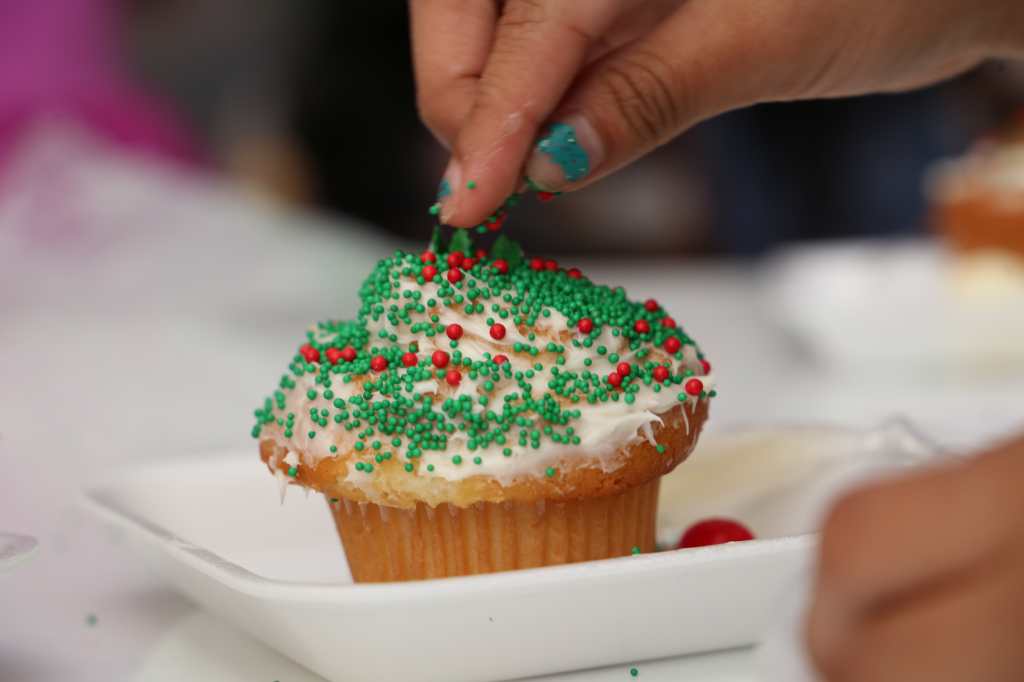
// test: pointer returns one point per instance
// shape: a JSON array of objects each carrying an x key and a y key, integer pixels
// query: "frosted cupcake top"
[
  {"x": 991, "y": 168},
  {"x": 492, "y": 365}
]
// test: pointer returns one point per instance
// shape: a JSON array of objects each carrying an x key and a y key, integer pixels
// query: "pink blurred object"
[{"x": 57, "y": 60}]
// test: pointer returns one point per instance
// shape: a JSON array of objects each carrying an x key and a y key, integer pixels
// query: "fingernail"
[
  {"x": 566, "y": 153},
  {"x": 446, "y": 197}
]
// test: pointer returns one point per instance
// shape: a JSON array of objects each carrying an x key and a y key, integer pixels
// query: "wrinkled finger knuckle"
[
  {"x": 524, "y": 15},
  {"x": 643, "y": 93}
]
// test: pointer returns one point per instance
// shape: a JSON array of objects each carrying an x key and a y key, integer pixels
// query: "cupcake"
[
  {"x": 978, "y": 208},
  {"x": 486, "y": 414}
]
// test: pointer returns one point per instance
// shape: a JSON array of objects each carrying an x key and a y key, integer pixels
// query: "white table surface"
[{"x": 145, "y": 314}]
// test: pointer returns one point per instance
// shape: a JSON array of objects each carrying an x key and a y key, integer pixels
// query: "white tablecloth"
[{"x": 144, "y": 313}]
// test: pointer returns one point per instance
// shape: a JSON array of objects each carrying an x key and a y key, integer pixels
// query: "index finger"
[
  {"x": 539, "y": 47},
  {"x": 450, "y": 43}
]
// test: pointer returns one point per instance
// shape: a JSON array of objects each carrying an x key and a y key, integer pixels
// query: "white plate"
[
  {"x": 905, "y": 294},
  {"x": 215, "y": 528},
  {"x": 15, "y": 549}
]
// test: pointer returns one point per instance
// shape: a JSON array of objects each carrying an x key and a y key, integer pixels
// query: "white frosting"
[{"x": 604, "y": 428}]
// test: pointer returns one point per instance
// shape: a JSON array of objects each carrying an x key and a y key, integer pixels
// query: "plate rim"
[{"x": 98, "y": 499}]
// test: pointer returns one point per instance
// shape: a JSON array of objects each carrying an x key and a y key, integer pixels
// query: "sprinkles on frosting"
[{"x": 396, "y": 402}]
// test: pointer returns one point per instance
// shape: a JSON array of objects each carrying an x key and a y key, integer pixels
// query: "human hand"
[
  {"x": 624, "y": 76},
  {"x": 922, "y": 578}
]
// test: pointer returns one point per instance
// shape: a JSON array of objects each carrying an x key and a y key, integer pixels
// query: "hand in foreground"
[
  {"x": 624, "y": 76},
  {"x": 922, "y": 578}
]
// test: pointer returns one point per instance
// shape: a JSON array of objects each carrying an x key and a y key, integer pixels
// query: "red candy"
[
  {"x": 706, "y": 366},
  {"x": 429, "y": 272},
  {"x": 500, "y": 359},
  {"x": 439, "y": 358},
  {"x": 660, "y": 373},
  {"x": 624, "y": 368},
  {"x": 495, "y": 224},
  {"x": 694, "y": 386},
  {"x": 409, "y": 359},
  {"x": 545, "y": 196},
  {"x": 641, "y": 326},
  {"x": 428, "y": 257},
  {"x": 497, "y": 331},
  {"x": 575, "y": 273},
  {"x": 333, "y": 355},
  {"x": 468, "y": 264},
  {"x": 551, "y": 265},
  {"x": 651, "y": 306},
  {"x": 585, "y": 325},
  {"x": 348, "y": 353},
  {"x": 536, "y": 264},
  {"x": 668, "y": 323},
  {"x": 309, "y": 353},
  {"x": 454, "y": 331},
  {"x": 501, "y": 265},
  {"x": 455, "y": 259},
  {"x": 481, "y": 254},
  {"x": 615, "y": 379},
  {"x": 672, "y": 344},
  {"x": 714, "y": 532},
  {"x": 453, "y": 377},
  {"x": 379, "y": 363},
  {"x": 454, "y": 275}
]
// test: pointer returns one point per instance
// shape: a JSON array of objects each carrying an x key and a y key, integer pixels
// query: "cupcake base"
[{"x": 384, "y": 544}]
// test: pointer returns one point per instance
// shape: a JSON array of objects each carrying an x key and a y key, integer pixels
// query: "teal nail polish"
[
  {"x": 562, "y": 148},
  {"x": 444, "y": 189}
]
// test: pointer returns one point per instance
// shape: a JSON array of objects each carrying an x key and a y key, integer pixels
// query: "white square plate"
[{"x": 214, "y": 527}]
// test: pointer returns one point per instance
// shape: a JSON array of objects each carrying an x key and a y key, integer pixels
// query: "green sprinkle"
[
  {"x": 470, "y": 185},
  {"x": 635, "y": 551},
  {"x": 550, "y": 471}
]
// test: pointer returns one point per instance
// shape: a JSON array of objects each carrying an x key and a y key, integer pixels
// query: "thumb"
[{"x": 693, "y": 66}]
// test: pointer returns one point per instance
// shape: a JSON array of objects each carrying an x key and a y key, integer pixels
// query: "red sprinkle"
[
  {"x": 499, "y": 359},
  {"x": 615, "y": 379},
  {"x": 550, "y": 265},
  {"x": 545, "y": 196},
  {"x": 429, "y": 272},
  {"x": 585, "y": 325},
  {"x": 501, "y": 265},
  {"x": 379, "y": 363},
  {"x": 428, "y": 257},
  {"x": 454, "y": 331},
  {"x": 468, "y": 263},
  {"x": 536, "y": 264},
  {"x": 660, "y": 373},
  {"x": 455, "y": 259},
  {"x": 672, "y": 344},
  {"x": 668, "y": 323},
  {"x": 453, "y": 377},
  {"x": 497, "y": 331},
  {"x": 439, "y": 358},
  {"x": 348, "y": 353},
  {"x": 575, "y": 273},
  {"x": 624, "y": 368},
  {"x": 495, "y": 225},
  {"x": 651, "y": 306},
  {"x": 706, "y": 366},
  {"x": 309, "y": 353},
  {"x": 409, "y": 359},
  {"x": 641, "y": 326},
  {"x": 694, "y": 386},
  {"x": 481, "y": 254},
  {"x": 714, "y": 532},
  {"x": 333, "y": 355},
  {"x": 454, "y": 275}
]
